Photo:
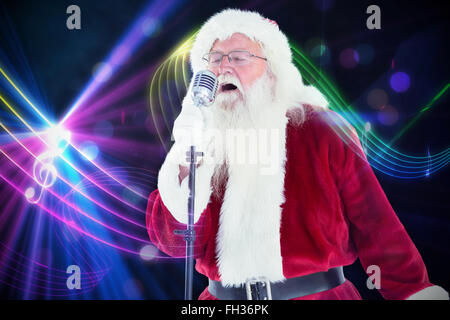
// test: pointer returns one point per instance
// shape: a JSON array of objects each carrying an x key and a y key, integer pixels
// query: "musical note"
[
  {"x": 44, "y": 171},
  {"x": 45, "y": 175}
]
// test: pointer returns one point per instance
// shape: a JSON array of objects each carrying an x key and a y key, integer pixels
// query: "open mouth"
[{"x": 227, "y": 87}]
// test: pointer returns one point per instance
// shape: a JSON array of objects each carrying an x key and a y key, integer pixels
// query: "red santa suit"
[
  {"x": 320, "y": 207},
  {"x": 334, "y": 212}
]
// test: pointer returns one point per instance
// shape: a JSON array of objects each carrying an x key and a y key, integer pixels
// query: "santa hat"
[{"x": 274, "y": 44}]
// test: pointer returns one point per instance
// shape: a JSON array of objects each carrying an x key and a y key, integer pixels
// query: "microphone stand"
[
  {"x": 204, "y": 89},
  {"x": 189, "y": 232}
]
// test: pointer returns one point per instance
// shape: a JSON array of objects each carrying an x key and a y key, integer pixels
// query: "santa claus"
[{"x": 282, "y": 201}]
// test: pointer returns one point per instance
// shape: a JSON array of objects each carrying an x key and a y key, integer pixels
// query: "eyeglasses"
[{"x": 236, "y": 58}]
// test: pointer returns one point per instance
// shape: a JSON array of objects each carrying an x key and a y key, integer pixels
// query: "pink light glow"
[
  {"x": 78, "y": 171},
  {"x": 70, "y": 222}
]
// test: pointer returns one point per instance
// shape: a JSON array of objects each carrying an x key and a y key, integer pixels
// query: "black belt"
[{"x": 261, "y": 289}]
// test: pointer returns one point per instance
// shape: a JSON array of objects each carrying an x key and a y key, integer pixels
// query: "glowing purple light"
[
  {"x": 120, "y": 55},
  {"x": 400, "y": 82},
  {"x": 150, "y": 26},
  {"x": 349, "y": 58},
  {"x": 104, "y": 129},
  {"x": 377, "y": 98},
  {"x": 144, "y": 27},
  {"x": 90, "y": 150},
  {"x": 102, "y": 72},
  {"x": 71, "y": 224},
  {"x": 388, "y": 115}
]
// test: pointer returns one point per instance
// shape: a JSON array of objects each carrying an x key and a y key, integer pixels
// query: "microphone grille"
[{"x": 204, "y": 88}]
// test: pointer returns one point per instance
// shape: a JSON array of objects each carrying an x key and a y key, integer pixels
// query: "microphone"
[{"x": 204, "y": 88}]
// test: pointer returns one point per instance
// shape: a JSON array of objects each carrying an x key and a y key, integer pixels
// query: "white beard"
[
  {"x": 248, "y": 240},
  {"x": 256, "y": 113}
]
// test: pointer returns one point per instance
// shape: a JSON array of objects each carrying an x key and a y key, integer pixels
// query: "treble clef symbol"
[
  {"x": 45, "y": 175},
  {"x": 44, "y": 172}
]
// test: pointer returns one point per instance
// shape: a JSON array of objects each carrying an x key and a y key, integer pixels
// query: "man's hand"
[
  {"x": 188, "y": 127},
  {"x": 184, "y": 171},
  {"x": 188, "y": 130}
]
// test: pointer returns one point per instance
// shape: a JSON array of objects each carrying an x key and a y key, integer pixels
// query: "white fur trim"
[
  {"x": 174, "y": 195},
  {"x": 430, "y": 293},
  {"x": 248, "y": 240},
  {"x": 229, "y": 21},
  {"x": 275, "y": 47}
]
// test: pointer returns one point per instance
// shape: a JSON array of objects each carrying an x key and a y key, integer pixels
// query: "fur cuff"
[
  {"x": 174, "y": 195},
  {"x": 430, "y": 293}
]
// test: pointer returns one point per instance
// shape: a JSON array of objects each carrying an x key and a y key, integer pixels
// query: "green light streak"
[
  {"x": 414, "y": 120},
  {"x": 337, "y": 103},
  {"x": 384, "y": 158}
]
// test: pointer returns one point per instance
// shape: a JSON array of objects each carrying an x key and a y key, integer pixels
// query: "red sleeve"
[
  {"x": 375, "y": 229},
  {"x": 161, "y": 226}
]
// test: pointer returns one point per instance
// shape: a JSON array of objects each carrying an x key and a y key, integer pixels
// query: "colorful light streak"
[
  {"x": 47, "y": 267},
  {"x": 69, "y": 220},
  {"x": 60, "y": 125},
  {"x": 66, "y": 171},
  {"x": 417, "y": 117},
  {"x": 70, "y": 223},
  {"x": 71, "y": 165},
  {"x": 91, "y": 279},
  {"x": 74, "y": 207},
  {"x": 381, "y": 156},
  {"x": 157, "y": 104},
  {"x": 156, "y": 10},
  {"x": 24, "y": 97},
  {"x": 71, "y": 185}
]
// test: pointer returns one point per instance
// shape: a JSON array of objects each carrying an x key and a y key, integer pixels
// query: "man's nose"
[{"x": 225, "y": 65}]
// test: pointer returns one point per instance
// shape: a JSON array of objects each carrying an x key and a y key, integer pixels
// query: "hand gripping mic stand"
[
  {"x": 204, "y": 89},
  {"x": 189, "y": 232}
]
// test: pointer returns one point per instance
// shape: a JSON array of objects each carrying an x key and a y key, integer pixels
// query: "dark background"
[{"x": 61, "y": 63}]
